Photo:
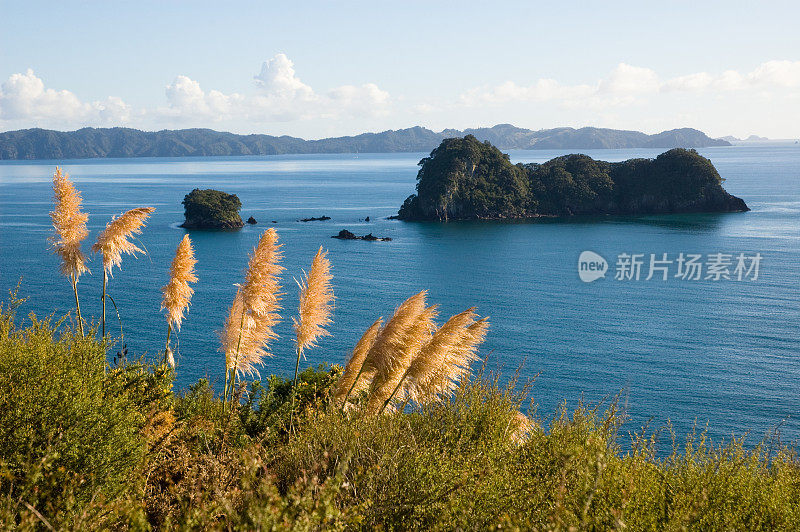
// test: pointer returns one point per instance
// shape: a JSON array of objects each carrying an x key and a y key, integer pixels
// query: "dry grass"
[
  {"x": 398, "y": 359},
  {"x": 457, "y": 364},
  {"x": 177, "y": 292},
  {"x": 354, "y": 368},
  {"x": 442, "y": 362},
  {"x": 316, "y": 303},
  {"x": 253, "y": 315},
  {"x": 69, "y": 224},
  {"x": 115, "y": 238}
]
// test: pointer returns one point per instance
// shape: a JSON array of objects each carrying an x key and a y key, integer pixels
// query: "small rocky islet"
[
  {"x": 344, "y": 234},
  {"x": 213, "y": 210}
]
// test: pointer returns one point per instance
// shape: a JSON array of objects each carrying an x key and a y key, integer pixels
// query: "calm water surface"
[{"x": 723, "y": 352}]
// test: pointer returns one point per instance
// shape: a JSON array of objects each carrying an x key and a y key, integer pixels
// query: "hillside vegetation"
[
  {"x": 92, "y": 446},
  {"x": 126, "y": 142},
  {"x": 464, "y": 178}
]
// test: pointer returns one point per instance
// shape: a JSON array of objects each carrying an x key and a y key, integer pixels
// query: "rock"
[
  {"x": 211, "y": 209},
  {"x": 274, "y": 221},
  {"x": 312, "y": 219},
  {"x": 366, "y": 219},
  {"x": 252, "y": 221},
  {"x": 344, "y": 234}
]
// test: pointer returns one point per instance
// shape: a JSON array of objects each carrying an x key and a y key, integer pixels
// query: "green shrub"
[{"x": 70, "y": 428}]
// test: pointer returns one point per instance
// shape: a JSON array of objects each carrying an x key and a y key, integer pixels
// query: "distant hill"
[
  {"x": 125, "y": 142},
  {"x": 751, "y": 138}
]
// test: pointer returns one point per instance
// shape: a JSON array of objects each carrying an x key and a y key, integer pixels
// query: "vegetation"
[
  {"x": 126, "y": 142},
  {"x": 466, "y": 179},
  {"x": 84, "y": 445},
  {"x": 211, "y": 209}
]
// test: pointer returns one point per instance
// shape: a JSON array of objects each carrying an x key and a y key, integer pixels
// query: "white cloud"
[
  {"x": 281, "y": 97},
  {"x": 627, "y": 84},
  {"x": 188, "y": 101},
  {"x": 278, "y": 96},
  {"x": 776, "y": 73},
  {"x": 23, "y": 97},
  {"x": 278, "y": 78},
  {"x": 626, "y": 79}
]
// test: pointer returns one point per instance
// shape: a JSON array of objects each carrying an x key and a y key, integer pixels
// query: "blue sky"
[{"x": 316, "y": 69}]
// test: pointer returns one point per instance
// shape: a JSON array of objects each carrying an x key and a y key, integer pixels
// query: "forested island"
[
  {"x": 466, "y": 179},
  {"x": 212, "y": 209},
  {"x": 125, "y": 142}
]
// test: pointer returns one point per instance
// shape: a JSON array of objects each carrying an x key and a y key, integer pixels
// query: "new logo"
[{"x": 591, "y": 266}]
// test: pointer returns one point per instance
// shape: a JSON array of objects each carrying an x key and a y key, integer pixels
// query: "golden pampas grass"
[
  {"x": 177, "y": 292},
  {"x": 261, "y": 287},
  {"x": 253, "y": 315},
  {"x": 392, "y": 336},
  {"x": 444, "y": 383},
  {"x": 246, "y": 342},
  {"x": 440, "y": 360},
  {"x": 113, "y": 241},
  {"x": 69, "y": 224},
  {"x": 316, "y": 303},
  {"x": 393, "y": 361},
  {"x": 355, "y": 365}
]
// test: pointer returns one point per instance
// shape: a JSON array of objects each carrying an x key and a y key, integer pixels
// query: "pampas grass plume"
[
  {"x": 316, "y": 303},
  {"x": 249, "y": 327},
  {"x": 439, "y": 360},
  {"x": 353, "y": 370},
  {"x": 413, "y": 338},
  {"x": 69, "y": 224},
  {"x": 177, "y": 292},
  {"x": 113, "y": 241}
]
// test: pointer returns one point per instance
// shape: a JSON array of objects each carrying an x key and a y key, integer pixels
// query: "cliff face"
[{"x": 466, "y": 179}]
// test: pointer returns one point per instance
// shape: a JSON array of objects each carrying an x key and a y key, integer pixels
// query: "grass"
[{"x": 84, "y": 445}]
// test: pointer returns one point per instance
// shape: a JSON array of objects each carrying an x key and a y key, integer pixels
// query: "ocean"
[{"x": 714, "y": 352}]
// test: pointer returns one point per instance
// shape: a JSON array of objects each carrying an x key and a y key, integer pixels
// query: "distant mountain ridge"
[{"x": 125, "y": 142}]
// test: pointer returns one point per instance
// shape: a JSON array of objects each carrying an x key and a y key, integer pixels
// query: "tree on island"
[
  {"x": 211, "y": 209},
  {"x": 467, "y": 179}
]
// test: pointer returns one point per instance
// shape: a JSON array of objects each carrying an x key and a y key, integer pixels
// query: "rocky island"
[
  {"x": 465, "y": 179},
  {"x": 344, "y": 234},
  {"x": 211, "y": 209}
]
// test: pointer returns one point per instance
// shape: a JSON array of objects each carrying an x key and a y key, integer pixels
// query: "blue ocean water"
[{"x": 724, "y": 352}]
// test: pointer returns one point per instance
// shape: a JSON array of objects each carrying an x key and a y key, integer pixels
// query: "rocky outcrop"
[{"x": 344, "y": 234}]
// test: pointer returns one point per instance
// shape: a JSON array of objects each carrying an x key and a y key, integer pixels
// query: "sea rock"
[
  {"x": 344, "y": 234},
  {"x": 312, "y": 219},
  {"x": 252, "y": 221}
]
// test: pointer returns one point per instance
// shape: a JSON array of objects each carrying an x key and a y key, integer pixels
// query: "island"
[
  {"x": 211, "y": 209},
  {"x": 344, "y": 234},
  {"x": 466, "y": 179}
]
